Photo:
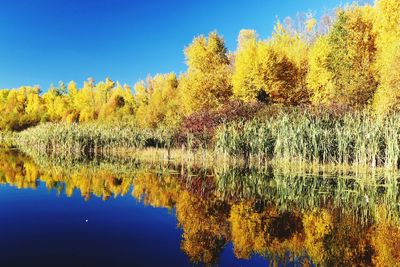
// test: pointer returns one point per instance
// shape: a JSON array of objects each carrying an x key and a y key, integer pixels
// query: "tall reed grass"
[
  {"x": 89, "y": 139},
  {"x": 354, "y": 139},
  {"x": 6, "y": 139}
]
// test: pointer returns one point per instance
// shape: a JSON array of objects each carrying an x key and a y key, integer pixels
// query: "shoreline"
[{"x": 211, "y": 159}]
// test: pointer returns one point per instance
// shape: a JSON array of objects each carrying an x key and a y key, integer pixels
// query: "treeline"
[{"x": 346, "y": 61}]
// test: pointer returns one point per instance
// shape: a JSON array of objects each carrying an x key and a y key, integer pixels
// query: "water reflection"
[{"x": 293, "y": 215}]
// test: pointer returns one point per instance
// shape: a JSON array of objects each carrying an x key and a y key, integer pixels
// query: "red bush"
[{"x": 201, "y": 125}]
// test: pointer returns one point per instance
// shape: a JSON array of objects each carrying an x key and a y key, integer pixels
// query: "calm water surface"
[{"x": 124, "y": 213}]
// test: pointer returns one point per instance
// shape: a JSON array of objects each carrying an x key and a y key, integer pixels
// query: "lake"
[{"x": 123, "y": 212}]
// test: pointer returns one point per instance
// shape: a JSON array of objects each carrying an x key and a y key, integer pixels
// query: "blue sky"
[{"x": 44, "y": 41}]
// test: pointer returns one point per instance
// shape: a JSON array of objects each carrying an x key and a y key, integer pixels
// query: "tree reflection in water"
[{"x": 294, "y": 215}]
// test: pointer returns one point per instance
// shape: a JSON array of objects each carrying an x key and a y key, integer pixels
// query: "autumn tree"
[
  {"x": 20, "y": 108},
  {"x": 272, "y": 70},
  {"x": 245, "y": 78},
  {"x": 283, "y": 67},
  {"x": 207, "y": 82},
  {"x": 157, "y": 102},
  {"x": 341, "y": 68},
  {"x": 141, "y": 99},
  {"x": 56, "y": 103},
  {"x": 387, "y": 97},
  {"x": 119, "y": 106}
]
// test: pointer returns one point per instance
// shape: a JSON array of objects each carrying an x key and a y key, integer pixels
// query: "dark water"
[{"x": 126, "y": 213}]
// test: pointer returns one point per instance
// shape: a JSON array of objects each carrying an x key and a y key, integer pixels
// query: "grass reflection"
[{"x": 300, "y": 215}]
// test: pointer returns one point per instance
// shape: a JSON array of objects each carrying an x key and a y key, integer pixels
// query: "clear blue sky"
[{"x": 44, "y": 41}]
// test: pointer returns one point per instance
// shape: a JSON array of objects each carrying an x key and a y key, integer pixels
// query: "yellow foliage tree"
[
  {"x": 20, "y": 108},
  {"x": 245, "y": 77},
  {"x": 283, "y": 66},
  {"x": 341, "y": 68},
  {"x": 207, "y": 83},
  {"x": 157, "y": 103},
  {"x": 387, "y": 97},
  {"x": 272, "y": 70}
]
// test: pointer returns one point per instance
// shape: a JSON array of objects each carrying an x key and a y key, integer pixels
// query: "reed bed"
[
  {"x": 356, "y": 139},
  {"x": 6, "y": 139},
  {"x": 88, "y": 139}
]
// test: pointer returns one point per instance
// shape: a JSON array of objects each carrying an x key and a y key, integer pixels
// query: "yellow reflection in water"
[{"x": 285, "y": 217}]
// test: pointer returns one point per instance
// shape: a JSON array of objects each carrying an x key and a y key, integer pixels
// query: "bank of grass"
[
  {"x": 7, "y": 139},
  {"x": 354, "y": 140},
  {"x": 89, "y": 139}
]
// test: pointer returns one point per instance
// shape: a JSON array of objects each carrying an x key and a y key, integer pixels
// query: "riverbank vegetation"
[
  {"x": 351, "y": 139},
  {"x": 325, "y": 91},
  {"x": 355, "y": 140}
]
